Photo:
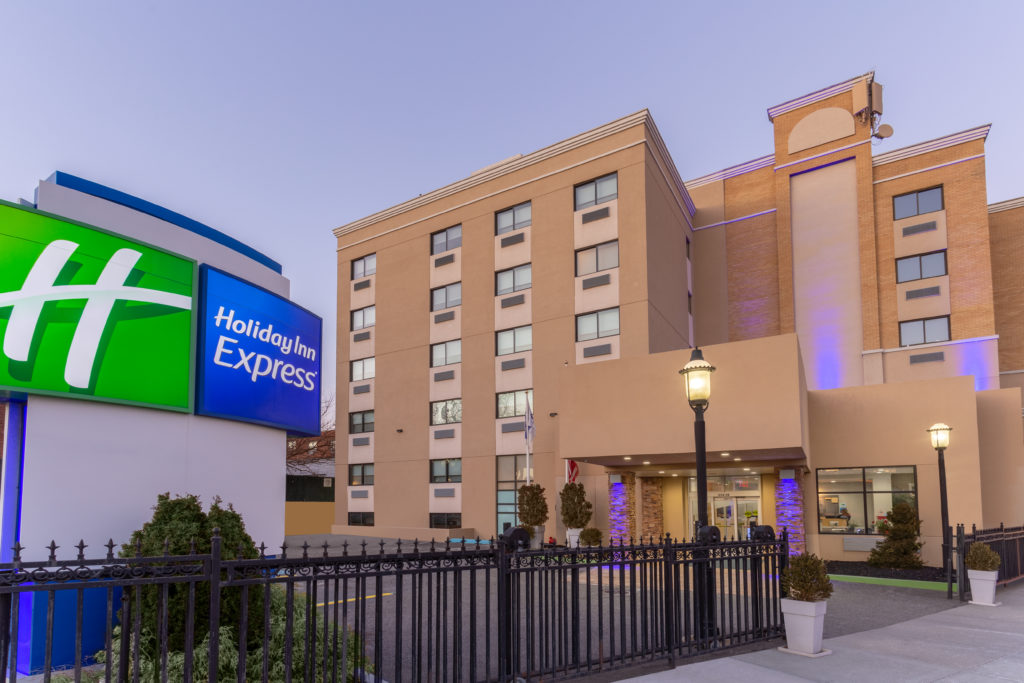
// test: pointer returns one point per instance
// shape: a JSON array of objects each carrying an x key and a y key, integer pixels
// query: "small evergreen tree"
[
  {"x": 533, "y": 507},
  {"x": 805, "y": 579},
  {"x": 576, "y": 509},
  {"x": 900, "y": 549}
]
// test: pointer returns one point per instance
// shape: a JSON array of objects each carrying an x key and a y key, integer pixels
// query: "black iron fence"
[
  {"x": 1007, "y": 542},
  {"x": 424, "y": 612}
]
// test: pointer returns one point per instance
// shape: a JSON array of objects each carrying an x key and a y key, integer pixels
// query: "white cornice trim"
[
  {"x": 822, "y": 154},
  {"x": 672, "y": 173},
  {"x": 933, "y": 345},
  {"x": 735, "y": 220},
  {"x": 1006, "y": 205},
  {"x": 928, "y": 168},
  {"x": 817, "y": 95},
  {"x": 732, "y": 171},
  {"x": 513, "y": 164},
  {"x": 932, "y": 145}
]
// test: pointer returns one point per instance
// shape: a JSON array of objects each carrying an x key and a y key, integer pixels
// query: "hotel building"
[{"x": 849, "y": 300}]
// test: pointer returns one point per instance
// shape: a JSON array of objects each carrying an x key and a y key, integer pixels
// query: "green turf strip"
[{"x": 902, "y": 583}]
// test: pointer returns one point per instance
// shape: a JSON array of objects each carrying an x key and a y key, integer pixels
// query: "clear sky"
[{"x": 278, "y": 121}]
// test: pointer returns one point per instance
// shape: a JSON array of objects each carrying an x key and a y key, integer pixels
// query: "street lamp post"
[
  {"x": 697, "y": 376},
  {"x": 940, "y": 442}
]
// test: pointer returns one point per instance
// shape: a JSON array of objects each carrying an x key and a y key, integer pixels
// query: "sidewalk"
[{"x": 966, "y": 644}]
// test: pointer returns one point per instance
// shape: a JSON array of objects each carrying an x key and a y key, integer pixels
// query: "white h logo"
[{"x": 39, "y": 288}]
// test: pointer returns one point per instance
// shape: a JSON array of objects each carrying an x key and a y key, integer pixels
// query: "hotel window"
[
  {"x": 362, "y": 267},
  {"x": 514, "y": 340},
  {"x": 513, "y": 279},
  {"x": 360, "y": 475},
  {"x": 447, "y": 471},
  {"x": 599, "y": 191},
  {"x": 597, "y": 324},
  {"x": 687, "y": 247},
  {"x": 914, "y": 203},
  {"x": 446, "y": 240},
  {"x": 308, "y": 489},
  {"x": 446, "y": 353},
  {"x": 921, "y": 266},
  {"x": 595, "y": 259},
  {"x": 513, "y": 403},
  {"x": 445, "y": 520},
  {"x": 364, "y": 317},
  {"x": 519, "y": 216},
  {"x": 361, "y": 422},
  {"x": 446, "y": 412},
  {"x": 446, "y": 297},
  {"x": 511, "y": 474},
  {"x": 362, "y": 369},
  {"x": 853, "y": 500},
  {"x": 360, "y": 519},
  {"x": 924, "y": 331}
]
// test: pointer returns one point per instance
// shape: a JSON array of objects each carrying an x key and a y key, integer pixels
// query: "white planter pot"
[
  {"x": 983, "y": 587},
  {"x": 537, "y": 540},
  {"x": 804, "y": 623},
  {"x": 573, "y": 537}
]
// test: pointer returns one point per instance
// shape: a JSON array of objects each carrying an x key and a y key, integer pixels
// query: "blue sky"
[{"x": 276, "y": 122}]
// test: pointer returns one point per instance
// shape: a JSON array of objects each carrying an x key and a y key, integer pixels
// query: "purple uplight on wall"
[
  {"x": 618, "y": 512},
  {"x": 789, "y": 512}
]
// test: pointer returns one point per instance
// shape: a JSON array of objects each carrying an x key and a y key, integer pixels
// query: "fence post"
[
  {"x": 961, "y": 575},
  {"x": 668, "y": 557},
  {"x": 5, "y": 631},
  {"x": 504, "y": 613},
  {"x": 214, "y": 605}
]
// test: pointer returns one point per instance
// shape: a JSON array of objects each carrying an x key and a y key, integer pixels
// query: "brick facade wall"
[{"x": 1007, "y": 234}]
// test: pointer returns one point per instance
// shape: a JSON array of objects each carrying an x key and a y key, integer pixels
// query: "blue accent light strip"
[{"x": 73, "y": 182}]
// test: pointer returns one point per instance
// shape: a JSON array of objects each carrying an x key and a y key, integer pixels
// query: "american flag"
[{"x": 528, "y": 430}]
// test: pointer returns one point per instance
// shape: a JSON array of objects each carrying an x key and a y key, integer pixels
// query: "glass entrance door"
[{"x": 733, "y": 514}]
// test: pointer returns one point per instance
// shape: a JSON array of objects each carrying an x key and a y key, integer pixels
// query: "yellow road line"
[{"x": 366, "y": 597}]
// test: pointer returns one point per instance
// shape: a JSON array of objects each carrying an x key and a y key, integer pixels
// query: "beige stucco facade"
[{"x": 796, "y": 274}]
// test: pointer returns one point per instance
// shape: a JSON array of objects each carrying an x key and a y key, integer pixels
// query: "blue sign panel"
[{"x": 259, "y": 356}]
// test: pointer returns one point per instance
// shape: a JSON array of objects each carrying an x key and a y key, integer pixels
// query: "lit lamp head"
[
  {"x": 940, "y": 435},
  {"x": 697, "y": 376}
]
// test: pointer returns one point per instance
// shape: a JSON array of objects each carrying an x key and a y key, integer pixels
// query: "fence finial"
[
  {"x": 53, "y": 550},
  {"x": 325, "y": 550},
  {"x": 110, "y": 549},
  {"x": 17, "y": 548},
  {"x": 81, "y": 548},
  {"x": 305, "y": 550},
  {"x": 344, "y": 547},
  {"x": 284, "y": 550},
  {"x": 364, "y": 547},
  {"x": 263, "y": 549}
]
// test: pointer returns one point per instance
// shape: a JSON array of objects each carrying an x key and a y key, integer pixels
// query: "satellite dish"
[{"x": 884, "y": 131}]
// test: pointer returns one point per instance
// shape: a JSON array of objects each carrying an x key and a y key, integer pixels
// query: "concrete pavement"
[{"x": 965, "y": 644}]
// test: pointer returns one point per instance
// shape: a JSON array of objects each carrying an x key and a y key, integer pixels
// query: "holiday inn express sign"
[{"x": 85, "y": 313}]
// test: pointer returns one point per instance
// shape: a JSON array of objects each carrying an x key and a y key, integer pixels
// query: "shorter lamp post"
[
  {"x": 697, "y": 376},
  {"x": 940, "y": 442}
]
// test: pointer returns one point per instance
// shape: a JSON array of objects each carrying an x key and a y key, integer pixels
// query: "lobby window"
[
  {"x": 446, "y": 412},
  {"x": 446, "y": 240},
  {"x": 513, "y": 279},
  {"x": 308, "y": 489},
  {"x": 361, "y": 422},
  {"x": 514, "y": 340},
  {"x": 446, "y": 353},
  {"x": 599, "y": 191},
  {"x": 360, "y": 519},
  {"x": 519, "y": 216},
  {"x": 511, "y": 474},
  {"x": 445, "y": 520},
  {"x": 362, "y": 267},
  {"x": 594, "y": 259},
  {"x": 447, "y": 471},
  {"x": 513, "y": 403},
  {"x": 446, "y": 297},
  {"x": 921, "y": 266},
  {"x": 914, "y": 203},
  {"x": 360, "y": 475},
  {"x": 364, "y": 317},
  {"x": 852, "y": 500},
  {"x": 364, "y": 368},
  {"x": 924, "y": 331},
  {"x": 597, "y": 324}
]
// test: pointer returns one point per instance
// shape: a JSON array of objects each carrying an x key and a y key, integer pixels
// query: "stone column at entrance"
[
  {"x": 622, "y": 508},
  {"x": 652, "y": 521},
  {"x": 789, "y": 509}
]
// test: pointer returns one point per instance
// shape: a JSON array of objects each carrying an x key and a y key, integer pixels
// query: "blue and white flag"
[{"x": 528, "y": 430}]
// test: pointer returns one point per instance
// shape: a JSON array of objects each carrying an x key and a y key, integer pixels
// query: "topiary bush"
[
  {"x": 590, "y": 536},
  {"x": 805, "y": 579},
  {"x": 576, "y": 509},
  {"x": 178, "y": 524},
  {"x": 981, "y": 558},
  {"x": 900, "y": 549},
  {"x": 533, "y": 507}
]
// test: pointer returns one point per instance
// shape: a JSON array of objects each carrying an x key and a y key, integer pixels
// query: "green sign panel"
[{"x": 89, "y": 314}]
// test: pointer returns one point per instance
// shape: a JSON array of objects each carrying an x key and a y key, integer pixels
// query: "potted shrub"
[
  {"x": 982, "y": 571},
  {"x": 533, "y": 512},
  {"x": 900, "y": 548},
  {"x": 590, "y": 536},
  {"x": 576, "y": 511},
  {"x": 807, "y": 587}
]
